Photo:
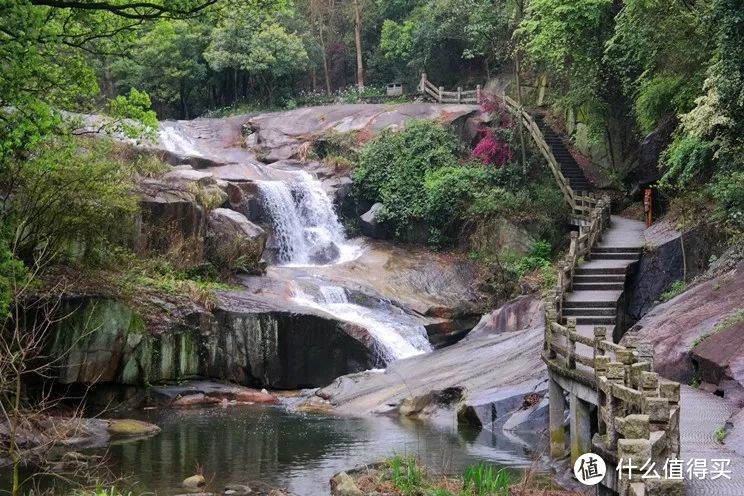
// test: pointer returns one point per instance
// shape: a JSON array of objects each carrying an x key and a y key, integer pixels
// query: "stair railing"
[{"x": 581, "y": 204}]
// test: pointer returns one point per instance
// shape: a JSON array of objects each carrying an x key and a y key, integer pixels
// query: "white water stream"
[
  {"x": 306, "y": 228},
  {"x": 394, "y": 339}
]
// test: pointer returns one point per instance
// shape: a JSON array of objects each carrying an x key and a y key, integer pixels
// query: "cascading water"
[
  {"x": 173, "y": 139},
  {"x": 393, "y": 338},
  {"x": 306, "y": 228}
]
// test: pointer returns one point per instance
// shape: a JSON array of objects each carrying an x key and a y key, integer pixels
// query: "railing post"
[
  {"x": 478, "y": 93},
  {"x": 570, "y": 343},
  {"x": 422, "y": 84},
  {"x": 459, "y": 94},
  {"x": 441, "y": 90}
]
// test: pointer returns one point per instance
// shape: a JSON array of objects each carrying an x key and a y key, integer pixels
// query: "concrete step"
[
  {"x": 589, "y": 312},
  {"x": 590, "y": 304},
  {"x": 594, "y": 320},
  {"x": 598, "y": 286},
  {"x": 615, "y": 256},
  {"x": 617, "y": 249},
  {"x": 602, "y": 278},
  {"x": 586, "y": 271}
]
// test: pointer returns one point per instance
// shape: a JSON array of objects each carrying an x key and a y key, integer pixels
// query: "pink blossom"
[{"x": 491, "y": 151}]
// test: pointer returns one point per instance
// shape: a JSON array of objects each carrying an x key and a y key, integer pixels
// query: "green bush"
[
  {"x": 392, "y": 170},
  {"x": 12, "y": 274},
  {"x": 660, "y": 96},
  {"x": 688, "y": 160},
  {"x": 728, "y": 191},
  {"x": 70, "y": 193}
]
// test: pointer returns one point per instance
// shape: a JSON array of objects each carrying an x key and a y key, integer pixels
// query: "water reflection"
[{"x": 299, "y": 452}]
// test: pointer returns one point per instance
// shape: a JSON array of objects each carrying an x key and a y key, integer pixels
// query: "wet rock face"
[
  {"x": 170, "y": 215},
  {"x": 107, "y": 342},
  {"x": 519, "y": 314}
]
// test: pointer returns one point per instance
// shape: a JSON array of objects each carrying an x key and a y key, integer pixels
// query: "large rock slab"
[
  {"x": 495, "y": 380},
  {"x": 244, "y": 340},
  {"x": 171, "y": 215},
  {"x": 519, "y": 314},
  {"x": 233, "y": 242},
  {"x": 280, "y": 134},
  {"x": 675, "y": 327}
]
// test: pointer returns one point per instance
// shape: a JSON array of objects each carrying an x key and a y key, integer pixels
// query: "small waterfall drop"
[
  {"x": 173, "y": 139},
  {"x": 306, "y": 228},
  {"x": 393, "y": 338}
]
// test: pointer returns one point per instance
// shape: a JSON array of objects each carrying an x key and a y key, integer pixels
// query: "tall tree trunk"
[
  {"x": 518, "y": 77},
  {"x": 326, "y": 71},
  {"x": 517, "y": 70},
  {"x": 358, "y": 43}
]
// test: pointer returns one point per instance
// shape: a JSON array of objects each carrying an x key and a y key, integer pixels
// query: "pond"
[{"x": 299, "y": 452}]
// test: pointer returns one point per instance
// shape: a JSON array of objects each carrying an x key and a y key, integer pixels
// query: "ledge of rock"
[{"x": 244, "y": 340}]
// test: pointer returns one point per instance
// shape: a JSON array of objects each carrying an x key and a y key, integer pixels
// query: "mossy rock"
[{"x": 132, "y": 428}]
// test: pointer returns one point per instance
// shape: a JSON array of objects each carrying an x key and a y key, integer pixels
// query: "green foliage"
[
  {"x": 70, "y": 193},
  {"x": 13, "y": 273},
  {"x": 660, "y": 96},
  {"x": 728, "y": 191},
  {"x": 484, "y": 480},
  {"x": 392, "y": 169},
  {"x": 407, "y": 475},
  {"x": 687, "y": 160},
  {"x": 132, "y": 115},
  {"x": 674, "y": 290},
  {"x": 396, "y": 40},
  {"x": 720, "y": 434}
]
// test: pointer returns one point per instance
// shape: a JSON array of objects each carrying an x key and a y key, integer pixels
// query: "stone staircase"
[
  {"x": 598, "y": 282},
  {"x": 570, "y": 169}
]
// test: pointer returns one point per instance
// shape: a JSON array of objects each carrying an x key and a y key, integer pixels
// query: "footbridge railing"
[
  {"x": 637, "y": 412},
  {"x": 581, "y": 203}
]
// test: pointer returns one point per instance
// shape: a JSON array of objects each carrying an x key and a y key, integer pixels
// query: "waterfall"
[
  {"x": 306, "y": 228},
  {"x": 174, "y": 140},
  {"x": 393, "y": 339}
]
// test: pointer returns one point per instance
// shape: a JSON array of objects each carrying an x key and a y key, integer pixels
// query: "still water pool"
[{"x": 296, "y": 451}]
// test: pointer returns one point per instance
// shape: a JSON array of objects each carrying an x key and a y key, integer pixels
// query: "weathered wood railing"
[
  {"x": 441, "y": 96},
  {"x": 638, "y": 412},
  {"x": 580, "y": 203}
]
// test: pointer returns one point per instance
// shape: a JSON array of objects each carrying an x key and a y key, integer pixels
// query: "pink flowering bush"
[{"x": 491, "y": 151}]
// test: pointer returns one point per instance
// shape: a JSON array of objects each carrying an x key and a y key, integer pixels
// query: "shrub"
[
  {"x": 70, "y": 192},
  {"x": 687, "y": 160},
  {"x": 491, "y": 151},
  {"x": 393, "y": 166},
  {"x": 728, "y": 191}
]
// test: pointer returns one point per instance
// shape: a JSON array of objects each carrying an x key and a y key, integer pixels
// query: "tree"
[
  {"x": 323, "y": 22},
  {"x": 167, "y": 62},
  {"x": 256, "y": 45},
  {"x": 358, "y": 14}
]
